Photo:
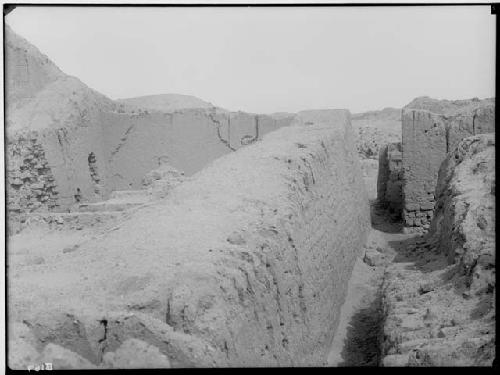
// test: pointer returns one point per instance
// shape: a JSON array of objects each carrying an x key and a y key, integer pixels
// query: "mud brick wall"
[
  {"x": 464, "y": 219},
  {"x": 244, "y": 264},
  {"x": 390, "y": 177},
  {"x": 31, "y": 185},
  {"x": 427, "y": 138}
]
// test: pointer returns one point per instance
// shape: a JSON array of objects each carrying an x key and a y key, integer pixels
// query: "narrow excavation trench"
[{"x": 358, "y": 338}]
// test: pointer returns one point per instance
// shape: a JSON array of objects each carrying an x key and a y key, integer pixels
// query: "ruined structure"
[
  {"x": 390, "y": 177},
  {"x": 427, "y": 138},
  {"x": 237, "y": 271},
  {"x": 441, "y": 311},
  {"x": 85, "y": 145},
  {"x": 166, "y": 232}
]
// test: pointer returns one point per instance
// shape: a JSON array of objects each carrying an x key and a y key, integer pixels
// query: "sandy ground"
[{"x": 361, "y": 321}]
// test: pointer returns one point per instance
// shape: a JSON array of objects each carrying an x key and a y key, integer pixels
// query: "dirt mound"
[
  {"x": 371, "y": 140},
  {"x": 375, "y": 129},
  {"x": 167, "y": 102},
  {"x": 63, "y": 103},
  {"x": 448, "y": 107},
  {"x": 386, "y": 114},
  {"x": 162, "y": 180},
  {"x": 27, "y": 70}
]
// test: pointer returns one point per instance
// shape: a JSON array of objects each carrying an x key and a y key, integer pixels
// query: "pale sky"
[{"x": 272, "y": 59}]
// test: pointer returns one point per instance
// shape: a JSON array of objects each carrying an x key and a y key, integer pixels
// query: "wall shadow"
[
  {"x": 383, "y": 220},
  {"x": 362, "y": 346}
]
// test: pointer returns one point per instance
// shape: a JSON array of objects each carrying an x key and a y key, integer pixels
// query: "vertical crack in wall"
[
  {"x": 219, "y": 135},
  {"x": 102, "y": 344},
  {"x": 447, "y": 127},
  {"x": 474, "y": 123},
  {"x": 123, "y": 140}
]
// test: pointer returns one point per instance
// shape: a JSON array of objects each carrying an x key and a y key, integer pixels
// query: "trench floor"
[{"x": 356, "y": 342}]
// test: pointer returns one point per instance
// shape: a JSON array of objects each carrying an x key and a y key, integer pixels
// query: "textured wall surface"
[
  {"x": 441, "y": 311},
  {"x": 390, "y": 177},
  {"x": 427, "y": 138},
  {"x": 244, "y": 264},
  {"x": 465, "y": 209}
]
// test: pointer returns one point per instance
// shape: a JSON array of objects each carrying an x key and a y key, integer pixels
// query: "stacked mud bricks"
[
  {"x": 427, "y": 138},
  {"x": 32, "y": 186},
  {"x": 390, "y": 178}
]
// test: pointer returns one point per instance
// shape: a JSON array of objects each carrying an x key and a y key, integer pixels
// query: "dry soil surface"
[{"x": 357, "y": 341}]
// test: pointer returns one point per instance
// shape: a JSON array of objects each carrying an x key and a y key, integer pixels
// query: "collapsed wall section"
[
  {"x": 427, "y": 138},
  {"x": 245, "y": 264}
]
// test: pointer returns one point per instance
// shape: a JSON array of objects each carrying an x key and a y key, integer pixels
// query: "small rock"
[
  {"x": 430, "y": 315},
  {"x": 236, "y": 239},
  {"x": 426, "y": 288},
  {"x": 373, "y": 258},
  {"x": 70, "y": 249}
]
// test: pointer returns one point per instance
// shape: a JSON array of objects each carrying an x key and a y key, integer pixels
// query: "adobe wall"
[
  {"x": 442, "y": 312},
  {"x": 427, "y": 138},
  {"x": 45, "y": 167},
  {"x": 244, "y": 264},
  {"x": 390, "y": 177},
  {"x": 113, "y": 151},
  {"x": 187, "y": 140},
  {"x": 464, "y": 218}
]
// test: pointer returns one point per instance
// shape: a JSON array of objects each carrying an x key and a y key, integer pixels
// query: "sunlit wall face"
[{"x": 272, "y": 59}]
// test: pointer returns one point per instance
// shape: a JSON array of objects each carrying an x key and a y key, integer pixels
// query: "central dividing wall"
[
  {"x": 427, "y": 138},
  {"x": 245, "y": 264}
]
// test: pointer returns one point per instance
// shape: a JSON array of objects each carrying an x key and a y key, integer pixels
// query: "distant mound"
[
  {"x": 448, "y": 107},
  {"x": 65, "y": 102},
  {"x": 167, "y": 102},
  {"x": 281, "y": 115},
  {"x": 40, "y": 96},
  {"x": 375, "y": 129},
  {"x": 27, "y": 70},
  {"x": 385, "y": 114}
]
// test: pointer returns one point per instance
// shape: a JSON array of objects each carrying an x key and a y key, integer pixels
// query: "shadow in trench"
[
  {"x": 363, "y": 345},
  {"x": 383, "y": 220}
]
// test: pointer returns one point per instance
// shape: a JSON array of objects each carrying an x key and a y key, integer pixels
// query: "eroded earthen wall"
[
  {"x": 427, "y": 138},
  {"x": 442, "y": 313},
  {"x": 465, "y": 210},
  {"x": 390, "y": 177},
  {"x": 113, "y": 151},
  {"x": 188, "y": 140},
  {"x": 245, "y": 264}
]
